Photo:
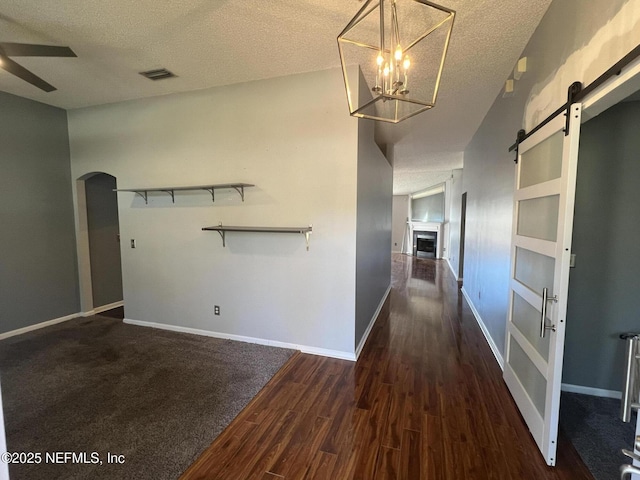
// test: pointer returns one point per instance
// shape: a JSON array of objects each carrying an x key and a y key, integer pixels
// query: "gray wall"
[
  {"x": 373, "y": 234},
  {"x": 38, "y": 267},
  {"x": 103, "y": 230},
  {"x": 488, "y": 181},
  {"x": 428, "y": 209},
  {"x": 572, "y": 43},
  {"x": 603, "y": 290}
]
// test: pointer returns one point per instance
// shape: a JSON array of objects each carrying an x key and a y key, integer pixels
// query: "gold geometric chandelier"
[{"x": 392, "y": 54}]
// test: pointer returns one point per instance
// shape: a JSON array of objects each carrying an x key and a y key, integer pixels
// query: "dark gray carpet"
[
  {"x": 97, "y": 385},
  {"x": 597, "y": 433}
]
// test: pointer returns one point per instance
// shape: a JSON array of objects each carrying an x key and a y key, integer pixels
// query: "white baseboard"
[
  {"x": 596, "y": 392},
  {"x": 455, "y": 274},
  {"x": 103, "y": 308},
  {"x": 38, "y": 326},
  {"x": 239, "y": 338},
  {"x": 485, "y": 332},
  {"x": 372, "y": 323},
  {"x": 110, "y": 306}
]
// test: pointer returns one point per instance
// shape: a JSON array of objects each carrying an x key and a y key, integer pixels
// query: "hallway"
[{"x": 426, "y": 400}]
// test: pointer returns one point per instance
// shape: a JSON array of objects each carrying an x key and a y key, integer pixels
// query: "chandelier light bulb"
[
  {"x": 398, "y": 53},
  {"x": 385, "y": 72},
  {"x": 405, "y": 65},
  {"x": 380, "y": 59}
]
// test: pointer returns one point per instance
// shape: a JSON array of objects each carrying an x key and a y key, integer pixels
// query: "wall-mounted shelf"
[
  {"x": 144, "y": 192},
  {"x": 222, "y": 230}
]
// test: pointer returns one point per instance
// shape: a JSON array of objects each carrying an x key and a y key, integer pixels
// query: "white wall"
[
  {"x": 399, "y": 226},
  {"x": 373, "y": 257},
  {"x": 428, "y": 209},
  {"x": 4, "y": 469},
  {"x": 455, "y": 212},
  {"x": 294, "y": 139},
  {"x": 574, "y": 42}
]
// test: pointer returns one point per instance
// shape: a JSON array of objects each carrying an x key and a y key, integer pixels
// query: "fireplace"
[{"x": 425, "y": 244}]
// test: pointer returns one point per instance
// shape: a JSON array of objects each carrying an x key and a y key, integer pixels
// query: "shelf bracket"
[
  {"x": 211, "y": 190},
  {"x": 143, "y": 194},
  {"x": 221, "y": 232},
  {"x": 307, "y": 234},
  {"x": 172, "y": 193},
  {"x": 222, "y": 235},
  {"x": 240, "y": 190}
]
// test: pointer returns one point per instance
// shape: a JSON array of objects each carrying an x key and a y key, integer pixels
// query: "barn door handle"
[
  {"x": 543, "y": 317},
  {"x": 629, "y": 392},
  {"x": 631, "y": 455},
  {"x": 627, "y": 470}
]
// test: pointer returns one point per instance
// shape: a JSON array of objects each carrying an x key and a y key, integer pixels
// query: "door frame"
[
  {"x": 601, "y": 99},
  {"x": 85, "y": 282},
  {"x": 612, "y": 91},
  {"x": 4, "y": 466},
  {"x": 463, "y": 226}
]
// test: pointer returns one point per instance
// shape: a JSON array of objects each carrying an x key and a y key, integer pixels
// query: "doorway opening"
[
  {"x": 554, "y": 260},
  {"x": 602, "y": 301},
  {"x": 463, "y": 220},
  {"x": 99, "y": 242}
]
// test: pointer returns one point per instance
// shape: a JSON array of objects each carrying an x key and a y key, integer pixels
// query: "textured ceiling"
[
  {"x": 219, "y": 42},
  {"x": 407, "y": 182}
]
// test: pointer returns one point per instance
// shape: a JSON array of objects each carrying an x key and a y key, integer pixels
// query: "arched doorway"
[{"x": 100, "y": 261}]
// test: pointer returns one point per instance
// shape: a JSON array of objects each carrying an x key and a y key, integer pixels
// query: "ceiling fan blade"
[
  {"x": 29, "y": 50},
  {"x": 21, "y": 72}
]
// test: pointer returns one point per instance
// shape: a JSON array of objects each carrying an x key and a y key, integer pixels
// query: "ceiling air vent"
[{"x": 158, "y": 74}]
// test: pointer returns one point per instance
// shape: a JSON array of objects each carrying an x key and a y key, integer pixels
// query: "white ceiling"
[{"x": 210, "y": 43}]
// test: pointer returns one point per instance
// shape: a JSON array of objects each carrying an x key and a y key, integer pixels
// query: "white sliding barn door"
[{"x": 540, "y": 254}]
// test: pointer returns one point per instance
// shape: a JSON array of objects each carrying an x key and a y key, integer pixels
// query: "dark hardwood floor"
[{"x": 425, "y": 400}]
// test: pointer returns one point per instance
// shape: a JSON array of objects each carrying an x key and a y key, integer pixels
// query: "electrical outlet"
[
  {"x": 216, "y": 310},
  {"x": 133, "y": 243}
]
